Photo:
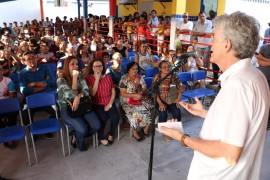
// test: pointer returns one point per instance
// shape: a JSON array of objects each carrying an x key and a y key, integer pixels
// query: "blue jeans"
[
  {"x": 112, "y": 114},
  {"x": 176, "y": 113},
  {"x": 88, "y": 123}
]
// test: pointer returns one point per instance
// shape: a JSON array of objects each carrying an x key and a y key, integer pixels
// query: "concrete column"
[
  {"x": 112, "y": 15},
  {"x": 85, "y": 14},
  {"x": 178, "y": 8},
  {"x": 79, "y": 9},
  {"x": 111, "y": 18}
]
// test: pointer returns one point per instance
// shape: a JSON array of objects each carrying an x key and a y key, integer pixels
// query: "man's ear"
[{"x": 228, "y": 45}]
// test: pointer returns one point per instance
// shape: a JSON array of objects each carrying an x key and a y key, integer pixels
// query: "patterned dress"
[{"x": 138, "y": 115}]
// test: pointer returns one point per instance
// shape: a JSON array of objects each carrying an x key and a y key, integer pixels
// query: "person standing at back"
[
  {"x": 201, "y": 29},
  {"x": 230, "y": 145}
]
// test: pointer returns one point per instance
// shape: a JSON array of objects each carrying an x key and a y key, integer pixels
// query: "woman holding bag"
[
  {"x": 103, "y": 94},
  {"x": 169, "y": 94},
  {"x": 135, "y": 101},
  {"x": 71, "y": 87}
]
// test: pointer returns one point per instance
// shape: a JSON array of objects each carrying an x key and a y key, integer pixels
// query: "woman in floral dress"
[{"x": 132, "y": 86}]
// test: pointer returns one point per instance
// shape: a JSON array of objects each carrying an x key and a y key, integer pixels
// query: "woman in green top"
[{"x": 72, "y": 86}]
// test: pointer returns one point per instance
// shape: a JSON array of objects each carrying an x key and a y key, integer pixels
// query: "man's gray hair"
[{"x": 242, "y": 30}]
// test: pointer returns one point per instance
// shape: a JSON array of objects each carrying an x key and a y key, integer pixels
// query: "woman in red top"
[{"x": 102, "y": 91}]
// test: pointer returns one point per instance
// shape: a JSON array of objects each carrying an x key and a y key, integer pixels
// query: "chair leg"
[
  {"x": 34, "y": 148},
  {"x": 118, "y": 136},
  {"x": 27, "y": 150},
  {"x": 96, "y": 135},
  {"x": 130, "y": 132},
  {"x": 94, "y": 141},
  {"x": 62, "y": 141},
  {"x": 68, "y": 140}
]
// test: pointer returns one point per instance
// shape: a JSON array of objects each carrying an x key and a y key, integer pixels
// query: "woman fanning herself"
[
  {"x": 132, "y": 90},
  {"x": 169, "y": 95},
  {"x": 72, "y": 86},
  {"x": 103, "y": 93},
  {"x": 144, "y": 57}
]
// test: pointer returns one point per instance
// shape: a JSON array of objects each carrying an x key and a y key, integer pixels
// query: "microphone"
[{"x": 187, "y": 55}]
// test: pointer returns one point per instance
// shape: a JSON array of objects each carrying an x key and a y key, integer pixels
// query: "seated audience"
[
  {"x": 133, "y": 88},
  {"x": 144, "y": 57},
  {"x": 168, "y": 101},
  {"x": 7, "y": 90},
  {"x": 116, "y": 71},
  {"x": 35, "y": 78},
  {"x": 102, "y": 91},
  {"x": 120, "y": 48},
  {"x": 72, "y": 86}
]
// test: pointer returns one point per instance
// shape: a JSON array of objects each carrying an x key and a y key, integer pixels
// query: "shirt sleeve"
[
  {"x": 24, "y": 89},
  {"x": 65, "y": 90},
  {"x": 208, "y": 27},
  {"x": 123, "y": 82},
  {"x": 50, "y": 80},
  {"x": 11, "y": 86}
]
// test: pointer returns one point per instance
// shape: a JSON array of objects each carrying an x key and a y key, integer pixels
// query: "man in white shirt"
[
  {"x": 202, "y": 28},
  {"x": 231, "y": 141},
  {"x": 152, "y": 25},
  {"x": 183, "y": 30}
]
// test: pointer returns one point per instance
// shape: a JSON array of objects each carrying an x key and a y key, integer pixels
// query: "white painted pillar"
[{"x": 111, "y": 18}]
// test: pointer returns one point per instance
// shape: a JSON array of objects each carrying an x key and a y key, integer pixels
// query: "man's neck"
[{"x": 33, "y": 69}]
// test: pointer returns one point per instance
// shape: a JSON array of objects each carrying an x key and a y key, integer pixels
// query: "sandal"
[
  {"x": 105, "y": 142},
  {"x": 74, "y": 145},
  {"x": 110, "y": 139}
]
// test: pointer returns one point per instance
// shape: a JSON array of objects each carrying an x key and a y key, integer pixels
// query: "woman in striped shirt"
[{"x": 102, "y": 91}]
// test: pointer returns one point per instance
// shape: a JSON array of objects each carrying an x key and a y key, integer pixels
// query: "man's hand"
[
  {"x": 32, "y": 84},
  {"x": 173, "y": 133},
  {"x": 195, "y": 109}
]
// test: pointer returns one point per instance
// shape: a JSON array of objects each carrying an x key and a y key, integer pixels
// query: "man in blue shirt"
[{"x": 35, "y": 78}]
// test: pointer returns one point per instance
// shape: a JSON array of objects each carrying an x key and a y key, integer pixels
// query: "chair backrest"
[
  {"x": 156, "y": 58},
  {"x": 148, "y": 81},
  {"x": 9, "y": 105},
  {"x": 151, "y": 72},
  {"x": 131, "y": 53},
  {"x": 15, "y": 77},
  {"x": 124, "y": 65},
  {"x": 40, "y": 100},
  {"x": 52, "y": 67},
  {"x": 184, "y": 76},
  {"x": 132, "y": 59},
  {"x": 125, "y": 60},
  {"x": 198, "y": 75}
]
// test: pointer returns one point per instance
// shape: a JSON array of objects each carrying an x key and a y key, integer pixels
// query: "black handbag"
[{"x": 85, "y": 106}]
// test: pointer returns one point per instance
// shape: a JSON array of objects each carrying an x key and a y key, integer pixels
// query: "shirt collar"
[{"x": 233, "y": 69}]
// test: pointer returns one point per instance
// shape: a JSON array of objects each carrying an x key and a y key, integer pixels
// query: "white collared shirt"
[
  {"x": 205, "y": 27},
  {"x": 238, "y": 117}
]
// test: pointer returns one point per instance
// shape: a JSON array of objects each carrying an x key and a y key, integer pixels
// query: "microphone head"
[{"x": 188, "y": 54}]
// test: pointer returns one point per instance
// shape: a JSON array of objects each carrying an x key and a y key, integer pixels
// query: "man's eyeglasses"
[
  {"x": 31, "y": 58},
  {"x": 100, "y": 66},
  {"x": 185, "y": 16}
]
